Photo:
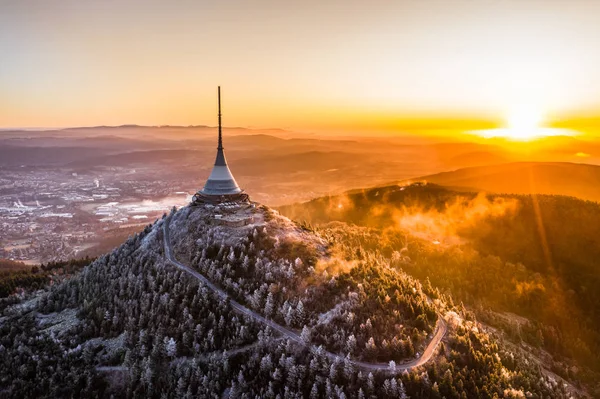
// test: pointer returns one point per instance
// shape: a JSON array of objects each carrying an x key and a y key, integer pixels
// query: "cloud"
[
  {"x": 334, "y": 265},
  {"x": 444, "y": 226}
]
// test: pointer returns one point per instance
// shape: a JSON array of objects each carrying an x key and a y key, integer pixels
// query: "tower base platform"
[{"x": 201, "y": 198}]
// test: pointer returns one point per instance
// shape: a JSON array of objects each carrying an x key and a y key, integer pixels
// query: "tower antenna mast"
[
  {"x": 220, "y": 134},
  {"x": 221, "y": 186}
]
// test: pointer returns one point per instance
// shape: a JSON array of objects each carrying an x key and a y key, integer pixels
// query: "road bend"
[{"x": 440, "y": 330}]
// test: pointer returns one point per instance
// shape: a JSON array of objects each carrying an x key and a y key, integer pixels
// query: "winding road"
[{"x": 440, "y": 330}]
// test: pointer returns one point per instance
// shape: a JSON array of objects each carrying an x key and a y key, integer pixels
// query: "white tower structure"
[{"x": 221, "y": 185}]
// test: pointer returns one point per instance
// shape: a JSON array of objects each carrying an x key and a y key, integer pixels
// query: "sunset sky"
[{"x": 325, "y": 65}]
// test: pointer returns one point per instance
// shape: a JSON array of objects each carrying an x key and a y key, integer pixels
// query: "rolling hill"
[
  {"x": 559, "y": 178},
  {"x": 531, "y": 257}
]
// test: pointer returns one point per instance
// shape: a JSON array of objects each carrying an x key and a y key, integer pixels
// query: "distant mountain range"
[
  {"x": 562, "y": 178},
  {"x": 313, "y": 165}
]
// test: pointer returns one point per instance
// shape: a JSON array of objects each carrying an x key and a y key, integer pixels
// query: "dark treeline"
[
  {"x": 35, "y": 277},
  {"x": 11, "y": 265}
]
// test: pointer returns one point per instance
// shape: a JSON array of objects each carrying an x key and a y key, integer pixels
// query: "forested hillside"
[
  {"x": 131, "y": 324},
  {"x": 534, "y": 256}
]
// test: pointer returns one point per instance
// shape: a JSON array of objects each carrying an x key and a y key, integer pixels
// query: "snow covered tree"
[
  {"x": 348, "y": 368},
  {"x": 392, "y": 366},
  {"x": 314, "y": 392},
  {"x": 269, "y": 305},
  {"x": 266, "y": 365},
  {"x": 171, "y": 347},
  {"x": 306, "y": 334},
  {"x": 351, "y": 344},
  {"x": 289, "y": 316},
  {"x": 300, "y": 316}
]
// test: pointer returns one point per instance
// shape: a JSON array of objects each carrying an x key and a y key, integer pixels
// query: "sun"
[{"x": 524, "y": 123}]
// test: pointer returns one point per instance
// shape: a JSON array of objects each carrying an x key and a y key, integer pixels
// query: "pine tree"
[
  {"x": 314, "y": 392},
  {"x": 181, "y": 388},
  {"x": 269, "y": 305},
  {"x": 305, "y": 335},
  {"x": 266, "y": 365},
  {"x": 348, "y": 368},
  {"x": 402, "y": 391},
  {"x": 171, "y": 347},
  {"x": 231, "y": 256},
  {"x": 351, "y": 344},
  {"x": 370, "y": 348},
  {"x": 370, "y": 383},
  {"x": 289, "y": 316},
  {"x": 300, "y": 314},
  {"x": 332, "y": 372},
  {"x": 392, "y": 365},
  {"x": 394, "y": 387},
  {"x": 387, "y": 388}
]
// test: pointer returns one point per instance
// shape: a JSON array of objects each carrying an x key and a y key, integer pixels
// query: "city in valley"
[{"x": 50, "y": 215}]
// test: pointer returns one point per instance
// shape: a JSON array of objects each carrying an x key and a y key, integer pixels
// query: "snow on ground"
[
  {"x": 217, "y": 355},
  {"x": 149, "y": 240},
  {"x": 513, "y": 318},
  {"x": 111, "y": 345},
  {"x": 58, "y": 323},
  {"x": 26, "y": 306},
  {"x": 185, "y": 221},
  {"x": 285, "y": 229},
  {"x": 277, "y": 226},
  {"x": 337, "y": 310}
]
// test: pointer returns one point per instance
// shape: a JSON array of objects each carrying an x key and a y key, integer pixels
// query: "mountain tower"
[{"x": 221, "y": 185}]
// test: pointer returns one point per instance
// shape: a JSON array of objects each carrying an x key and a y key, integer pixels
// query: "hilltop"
[{"x": 235, "y": 300}]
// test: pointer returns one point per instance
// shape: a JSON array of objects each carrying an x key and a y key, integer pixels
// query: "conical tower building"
[{"x": 221, "y": 185}]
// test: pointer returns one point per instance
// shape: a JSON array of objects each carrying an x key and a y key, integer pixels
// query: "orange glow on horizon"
[{"x": 383, "y": 68}]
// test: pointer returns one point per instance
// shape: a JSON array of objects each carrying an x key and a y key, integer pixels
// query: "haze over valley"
[{"x": 77, "y": 192}]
